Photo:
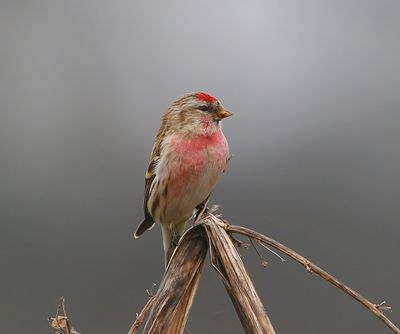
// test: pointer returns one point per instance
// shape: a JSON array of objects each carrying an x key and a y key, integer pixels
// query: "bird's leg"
[
  {"x": 172, "y": 245},
  {"x": 175, "y": 238}
]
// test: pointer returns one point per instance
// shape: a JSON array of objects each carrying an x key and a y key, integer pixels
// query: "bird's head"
[{"x": 197, "y": 112}]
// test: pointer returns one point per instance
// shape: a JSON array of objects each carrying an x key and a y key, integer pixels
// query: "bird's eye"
[{"x": 203, "y": 107}]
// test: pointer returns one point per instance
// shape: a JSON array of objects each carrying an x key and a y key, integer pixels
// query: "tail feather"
[{"x": 145, "y": 225}]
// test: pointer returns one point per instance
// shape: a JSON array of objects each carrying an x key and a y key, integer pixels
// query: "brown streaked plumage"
[{"x": 189, "y": 155}]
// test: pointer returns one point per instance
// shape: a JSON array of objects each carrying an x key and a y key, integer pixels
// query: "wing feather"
[{"x": 148, "y": 221}]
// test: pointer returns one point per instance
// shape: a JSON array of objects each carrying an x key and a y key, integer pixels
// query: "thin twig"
[
  {"x": 263, "y": 262},
  {"x": 376, "y": 309},
  {"x": 63, "y": 306},
  {"x": 238, "y": 243},
  {"x": 271, "y": 250}
]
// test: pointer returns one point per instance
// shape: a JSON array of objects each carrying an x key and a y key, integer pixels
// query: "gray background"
[{"x": 315, "y": 89}]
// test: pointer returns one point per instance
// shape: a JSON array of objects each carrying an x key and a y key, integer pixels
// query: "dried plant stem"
[
  {"x": 179, "y": 285},
  {"x": 60, "y": 323},
  {"x": 140, "y": 317},
  {"x": 238, "y": 284},
  {"x": 169, "y": 308},
  {"x": 313, "y": 268}
]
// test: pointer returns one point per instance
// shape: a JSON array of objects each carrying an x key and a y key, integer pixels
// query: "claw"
[{"x": 175, "y": 240}]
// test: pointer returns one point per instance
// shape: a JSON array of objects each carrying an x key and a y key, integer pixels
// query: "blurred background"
[{"x": 315, "y": 91}]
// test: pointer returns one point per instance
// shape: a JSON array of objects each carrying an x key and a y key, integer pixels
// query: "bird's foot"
[
  {"x": 175, "y": 240},
  {"x": 201, "y": 210}
]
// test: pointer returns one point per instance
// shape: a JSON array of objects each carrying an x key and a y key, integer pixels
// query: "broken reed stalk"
[
  {"x": 227, "y": 262},
  {"x": 222, "y": 257},
  {"x": 177, "y": 289},
  {"x": 170, "y": 306}
]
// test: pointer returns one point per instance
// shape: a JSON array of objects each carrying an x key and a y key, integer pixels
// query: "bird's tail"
[{"x": 146, "y": 224}]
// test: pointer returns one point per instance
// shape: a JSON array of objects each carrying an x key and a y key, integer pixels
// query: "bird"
[{"x": 189, "y": 155}]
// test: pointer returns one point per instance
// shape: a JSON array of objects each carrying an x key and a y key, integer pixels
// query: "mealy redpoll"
[{"x": 188, "y": 157}]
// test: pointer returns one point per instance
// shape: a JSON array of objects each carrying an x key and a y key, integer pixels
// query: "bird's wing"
[
  {"x": 151, "y": 170},
  {"x": 148, "y": 221}
]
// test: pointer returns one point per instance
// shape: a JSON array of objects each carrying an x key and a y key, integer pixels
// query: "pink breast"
[{"x": 195, "y": 156}]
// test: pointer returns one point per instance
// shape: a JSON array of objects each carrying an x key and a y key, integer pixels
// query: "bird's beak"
[{"x": 222, "y": 113}]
